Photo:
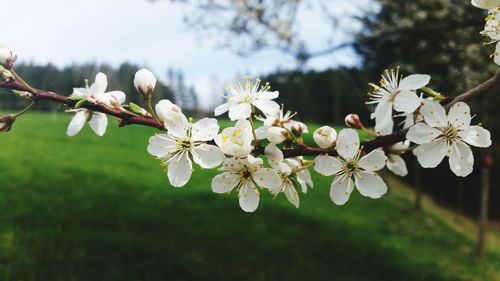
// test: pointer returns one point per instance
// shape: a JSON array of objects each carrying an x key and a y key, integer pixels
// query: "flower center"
[
  {"x": 184, "y": 144},
  {"x": 350, "y": 167},
  {"x": 450, "y": 133}
]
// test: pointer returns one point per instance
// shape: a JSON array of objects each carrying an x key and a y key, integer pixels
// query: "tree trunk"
[{"x": 483, "y": 211}]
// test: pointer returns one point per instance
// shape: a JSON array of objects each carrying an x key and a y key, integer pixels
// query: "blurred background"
[{"x": 90, "y": 208}]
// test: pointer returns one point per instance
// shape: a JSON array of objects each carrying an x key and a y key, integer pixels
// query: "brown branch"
[{"x": 128, "y": 118}]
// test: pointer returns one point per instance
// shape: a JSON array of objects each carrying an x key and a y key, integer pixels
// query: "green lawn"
[{"x": 90, "y": 208}]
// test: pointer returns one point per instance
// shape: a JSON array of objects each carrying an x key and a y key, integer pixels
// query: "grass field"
[{"x": 90, "y": 208}]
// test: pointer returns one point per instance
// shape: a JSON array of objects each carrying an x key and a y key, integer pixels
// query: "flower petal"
[
  {"x": 225, "y": 182},
  {"x": 373, "y": 161},
  {"x": 205, "y": 129},
  {"x": 347, "y": 143},
  {"x": 266, "y": 105},
  {"x": 422, "y": 133},
  {"x": 370, "y": 184},
  {"x": 267, "y": 178},
  {"x": 429, "y": 155},
  {"x": 414, "y": 82},
  {"x": 291, "y": 194},
  {"x": 249, "y": 197},
  {"x": 461, "y": 159},
  {"x": 119, "y": 96},
  {"x": 397, "y": 165},
  {"x": 99, "y": 123},
  {"x": 240, "y": 111},
  {"x": 100, "y": 84},
  {"x": 304, "y": 179},
  {"x": 406, "y": 101},
  {"x": 177, "y": 124},
  {"x": 327, "y": 165},
  {"x": 459, "y": 115},
  {"x": 77, "y": 122},
  {"x": 179, "y": 170},
  {"x": 261, "y": 132},
  {"x": 383, "y": 116},
  {"x": 476, "y": 136},
  {"x": 434, "y": 114},
  {"x": 165, "y": 107},
  {"x": 207, "y": 156},
  {"x": 341, "y": 189},
  {"x": 223, "y": 108},
  {"x": 161, "y": 145}
]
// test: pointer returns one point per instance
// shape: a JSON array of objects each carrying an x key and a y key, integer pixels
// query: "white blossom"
[
  {"x": 183, "y": 143},
  {"x": 492, "y": 30},
  {"x": 325, "y": 136},
  {"x": 277, "y": 135},
  {"x": 287, "y": 169},
  {"x": 145, "y": 82},
  {"x": 351, "y": 169},
  {"x": 96, "y": 93},
  {"x": 486, "y": 4},
  {"x": 395, "y": 92},
  {"x": 244, "y": 96},
  {"x": 7, "y": 56},
  {"x": 164, "y": 108},
  {"x": 395, "y": 163},
  {"x": 447, "y": 135},
  {"x": 282, "y": 120},
  {"x": 246, "y": 175},
  {"x": 237, "y": 140}
]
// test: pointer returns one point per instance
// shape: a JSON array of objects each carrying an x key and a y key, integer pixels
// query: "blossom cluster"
[{"x": 264, "y": 150}]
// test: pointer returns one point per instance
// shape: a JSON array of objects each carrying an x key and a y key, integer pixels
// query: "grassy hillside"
[{"x": 90, "y": 208}]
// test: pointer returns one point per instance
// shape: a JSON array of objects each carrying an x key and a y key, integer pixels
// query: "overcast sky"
[{"x": 152, "y": 35}]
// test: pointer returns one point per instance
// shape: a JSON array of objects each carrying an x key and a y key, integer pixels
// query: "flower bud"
[
  {"x": 7, "y": 57},
  {"x": 325, "y": 136},
  {"x": 277, "y": 135},
  {"x": 6, "y": 122},
  {"x": 144, "y": 83},
  {"x": 353, "y": 121},
  {"x": 164, "y": 107},
  {"x": 298, "y": 128}
]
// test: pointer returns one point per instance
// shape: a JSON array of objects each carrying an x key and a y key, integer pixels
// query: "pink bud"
[{"x": 352, "y": 121}]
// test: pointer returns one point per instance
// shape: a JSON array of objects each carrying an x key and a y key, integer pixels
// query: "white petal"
[
  {"x": 207, "y": 156},
  {"x": 327, "y": 165},
  {"x": 459, "y": 115},
  {"x": 270, "y": 95},
  {"x": 249, "y": 197},
  {"x": 325, "y": 136},
  {"x": 179, "y": 170},
  {"x": 119, "y": 96},
  {"x": 274, "y": 155},
  {"x": 261, "y": 132},
  {"x": 434, "y": 114},
  {"x": 161, "y": 145},
  {"x": 177, "y": 124},
  {"x": 383, "y": 116},
  {"x": 429, "y": 155},
  {"x": 476, "y": 136},
  {"x": 240, "y": 111},
  {"x": 205, "y": 129},
  {"x": 397, "y": 165},
  {"x": 223, "y": 108},
  {"x": 77, "y": 122},
  {"x": 406, "y": 101},
  {"x": 496, "y": 58},
  {"x": 304, "y": 179},
  {"x": 291, "y": 194},
  {"x": 347, "y": 143},
  {"x": 373, "y": 161},
  {"x": 486, "y": 4},
  {"x": 370, "y": 184},
  {"x": 80, "y": 93},
  {"x": 461, "y": 159},
  {"x": 234, "y": 164},
  {"x": 422, "y": 133},
  {"x": 225, "y": 182},
  {"x": 99, "y": 123},
  {"x": 266, "y": 105},
  {"x": 341, "y": 189},
  {"x": 267, "y": 178},
  {"x": 414, "y": 82},
  {"x": 100, "y": 84}
]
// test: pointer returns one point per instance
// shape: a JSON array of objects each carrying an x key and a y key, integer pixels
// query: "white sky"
[{"x": 149, "y": 34}]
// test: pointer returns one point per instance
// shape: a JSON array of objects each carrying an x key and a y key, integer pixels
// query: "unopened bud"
[
  {"x": 298, "y": 128},
  {"x": 6, "y": 122},
  {"x": 277, "y": 135},
  {"x": 7, "y": 57},
  {"x": 144, "y": 83},
  {"x": 164, "y": 107},
  {"x": 325, "y": 136},
  {"x": 135, "y": 108},
  {"x": 353, "y": 121}
]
